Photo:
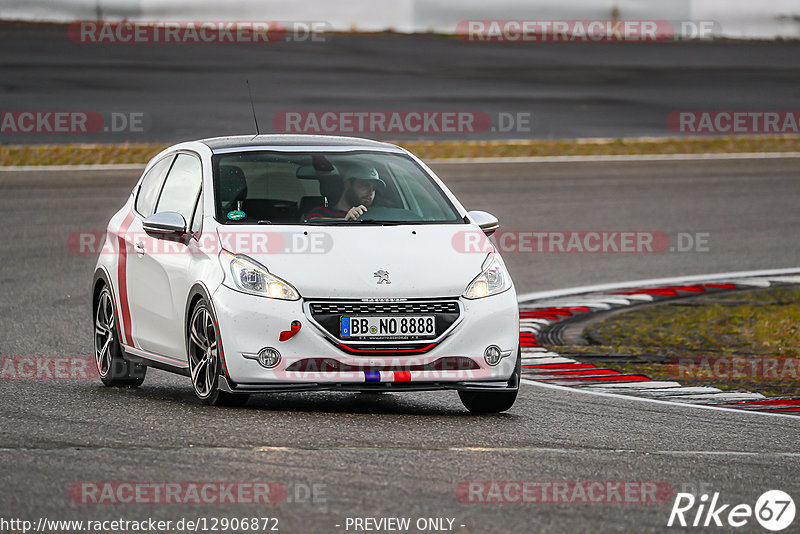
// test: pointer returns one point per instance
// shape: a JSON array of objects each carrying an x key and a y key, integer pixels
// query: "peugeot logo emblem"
[{"x": 382, "y": 276}]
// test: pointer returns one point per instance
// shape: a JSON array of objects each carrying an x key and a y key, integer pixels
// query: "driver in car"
[{"x": 360, "y": 184}]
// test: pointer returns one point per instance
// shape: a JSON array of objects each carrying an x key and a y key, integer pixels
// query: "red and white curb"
[{"x": 543, "y": 314}]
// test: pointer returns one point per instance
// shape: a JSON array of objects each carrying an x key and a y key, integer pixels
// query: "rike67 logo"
[{"x": 774, "y": 510}]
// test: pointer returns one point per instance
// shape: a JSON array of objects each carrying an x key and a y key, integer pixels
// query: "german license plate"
[{"x": 394, "y": 326}]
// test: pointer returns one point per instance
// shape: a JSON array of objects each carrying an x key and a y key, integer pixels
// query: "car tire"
[
  {"x": 113, "y": 368},
  {"x": 491, "y": 401},
  {"x": 202, "y": 338}
]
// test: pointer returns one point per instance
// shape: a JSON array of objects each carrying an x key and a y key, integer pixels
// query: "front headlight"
[
  {"x": 492, "y": 280},
  {"x": 247, "y": 275}
]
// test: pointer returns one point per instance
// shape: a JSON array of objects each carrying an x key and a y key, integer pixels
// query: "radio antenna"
[{"x": 252, "y": 106}]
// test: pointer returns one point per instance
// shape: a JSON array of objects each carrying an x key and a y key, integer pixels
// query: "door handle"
[{"x": 139, "y": 246}]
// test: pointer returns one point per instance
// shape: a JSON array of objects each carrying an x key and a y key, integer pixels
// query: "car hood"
[{"x": 420, "y": 261}]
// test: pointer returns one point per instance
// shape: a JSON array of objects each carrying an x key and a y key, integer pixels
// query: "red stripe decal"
[
  {"x": 219, "y": 344},
  {"x": 122, "y": 279}
]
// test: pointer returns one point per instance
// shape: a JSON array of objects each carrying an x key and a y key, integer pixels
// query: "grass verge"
[
  {"x": 745, "y": 340},
  {"x": 141, "y": 153}
]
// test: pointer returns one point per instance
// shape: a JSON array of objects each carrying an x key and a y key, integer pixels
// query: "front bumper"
[
  {"x": 249, "y": 323},
  {"x": 512, "y": 384}
]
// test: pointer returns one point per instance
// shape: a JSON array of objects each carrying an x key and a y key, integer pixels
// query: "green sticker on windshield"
[{"x": 235, "y": 215}]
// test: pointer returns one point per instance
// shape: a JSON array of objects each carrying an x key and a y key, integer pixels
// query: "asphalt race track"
[
  {"x": 397, "y": 454},
  {"x": 188, "y": 91}
]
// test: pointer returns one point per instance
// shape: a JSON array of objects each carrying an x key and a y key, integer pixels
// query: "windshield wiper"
[
  {"x": 376, "y": 222},
  {"x": 326, "y": 222},
  {"x": 382, "y": 222}
]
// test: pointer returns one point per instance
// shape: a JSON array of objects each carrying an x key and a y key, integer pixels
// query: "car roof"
[{"x": 247, "y": 141}]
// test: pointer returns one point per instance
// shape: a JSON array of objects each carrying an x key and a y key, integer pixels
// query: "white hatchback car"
[{"x": 296, "y": 263}]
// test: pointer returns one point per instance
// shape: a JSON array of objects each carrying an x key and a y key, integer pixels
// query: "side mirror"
[
  {"x": 488, "y": 222},
  {"x": 166, "y": 222}
]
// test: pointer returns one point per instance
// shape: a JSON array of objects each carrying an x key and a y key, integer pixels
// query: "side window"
[
  {"x": 197, "y": 218},
  {"x": 183, "y": 184},
  {"x": 151, "y": 185}
]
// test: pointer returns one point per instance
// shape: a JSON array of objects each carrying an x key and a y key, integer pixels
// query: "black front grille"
[
  {"x": 329, "y": 314},
  {"x": 381, "y": 308}
]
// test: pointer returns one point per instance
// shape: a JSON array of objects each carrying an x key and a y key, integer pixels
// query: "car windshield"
[{"x": 274, "y": 187}]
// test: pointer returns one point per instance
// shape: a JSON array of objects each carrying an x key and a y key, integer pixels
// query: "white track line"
[
  {"x": 674, "y": 404},
  {"x": 63, "y": 168},
  {"x": 571, "y": 452},
  {"x": 652, "y": 282},
  {"x": 631, "y": 157}
]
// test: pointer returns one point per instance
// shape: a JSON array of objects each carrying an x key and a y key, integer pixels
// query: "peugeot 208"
[{"x": 295, "y": 263}]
